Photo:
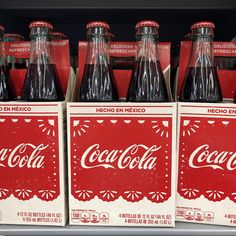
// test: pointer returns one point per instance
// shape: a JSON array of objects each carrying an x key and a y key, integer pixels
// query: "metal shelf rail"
[
  {"x": 121, "y": 4},
  {"x": 180, "y": 230}
]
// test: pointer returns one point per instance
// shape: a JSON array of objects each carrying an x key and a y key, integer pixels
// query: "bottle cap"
[
  {"x": 94, "y": 24},
  {"x": 41, "y": 24},
  {"x": 13, "y": 35},
  {"x": 144, "y": 23},
  {"x": 59, "y": 34},
  {"x": 203, "y": 24},
  {"x": 2, "y": 28}
]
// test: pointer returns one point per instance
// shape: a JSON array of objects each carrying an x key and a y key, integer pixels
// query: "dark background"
[{"x": 71, "y": 16}]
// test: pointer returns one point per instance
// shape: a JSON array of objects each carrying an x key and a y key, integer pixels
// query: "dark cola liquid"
[
  {"x": 147, "y": 83},
  {"x": 17, "y": 66},
  {"x": 42, "y": 84},
  {"x": 201, "y": 85},
  {"x": 16, "y": 63},
  {"x": 98, "y": 84},
  {"x": 6, "y": 93}
]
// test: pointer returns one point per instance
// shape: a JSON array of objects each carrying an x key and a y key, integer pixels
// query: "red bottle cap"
[
  {"x": 59, "y": 34},
  {"x": 16, "y": 36},
  {"x": 94, "y": 24},
  {"x": 203, "y": 24},
  {"x": 151, "y": 23},
  {"x": 41, "y": 24},
  {"x": 2, "y": 28}
]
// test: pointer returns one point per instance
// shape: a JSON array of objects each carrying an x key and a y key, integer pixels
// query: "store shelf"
[
  {"x": 70, "y": 16},
  {"x": 181, "y": 229},
  {"x": 121, "y": 4}
]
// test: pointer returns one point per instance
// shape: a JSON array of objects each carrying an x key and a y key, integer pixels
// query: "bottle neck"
[
  {"x": 40, "y": 52},
  {"x": 202, "y": 53},
  {"x": 147, "y": 49},
  {"x": 98, "y": 51}
]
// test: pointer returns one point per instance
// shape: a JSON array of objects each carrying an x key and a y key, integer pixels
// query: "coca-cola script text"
[{"x": 135, "y": 156}]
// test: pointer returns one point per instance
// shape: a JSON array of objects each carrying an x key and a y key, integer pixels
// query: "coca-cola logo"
[
  {"x": 24, "y": 155},
  {"x": 203, "y": 158},
  {"x": 135, "y": 156}
]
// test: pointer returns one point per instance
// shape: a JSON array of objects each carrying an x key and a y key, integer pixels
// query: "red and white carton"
[
  {"x": 122, "y": 163},
  {"x": 206, "y": 191},
  {"x": 122, "y": 155},
  {"x": 32, "y": 166},
  {"x": 32, "y": 152},
  {"x": 207, "y": 167}
]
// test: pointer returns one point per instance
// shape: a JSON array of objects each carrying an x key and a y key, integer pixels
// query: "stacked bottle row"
[{"x": 98, "y": 85}]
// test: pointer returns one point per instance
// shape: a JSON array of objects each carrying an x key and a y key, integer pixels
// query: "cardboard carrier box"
[
  {"x": 122, "y": 155},
  {"x": 33, "y": 182},
  {"x": 206, "y": 191}
]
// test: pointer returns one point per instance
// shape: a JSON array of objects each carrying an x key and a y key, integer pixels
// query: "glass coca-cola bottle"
[
  {"x": 147, "y": 82},
  {"x": 201, "y": 82},
  {"x": 6, "y": 93},
  {"x": 41, "y": 82},
  {"x": 98, "y": 83}
]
